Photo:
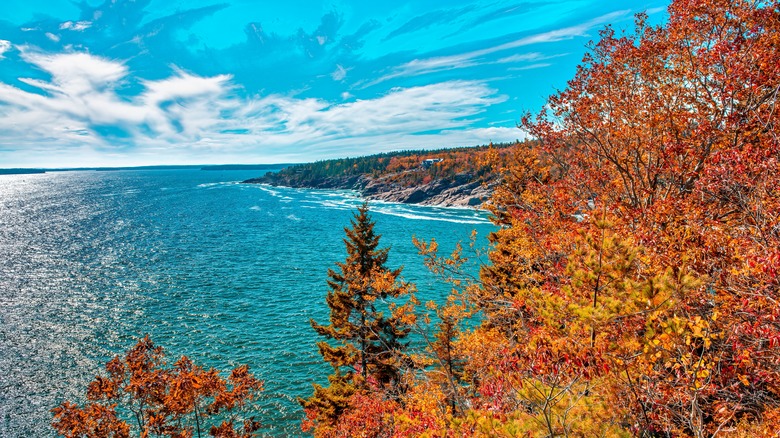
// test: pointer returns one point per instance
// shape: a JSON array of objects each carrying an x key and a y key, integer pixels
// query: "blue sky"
[{"x": 135, "y": 82}]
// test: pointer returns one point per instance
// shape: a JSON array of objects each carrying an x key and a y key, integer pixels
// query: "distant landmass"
[
  {"x": 445, "y": 177},
  {"x": 212, "y": 167},
  {"x": 20, "y": 171},
  {"x": 245, "y": 166}
]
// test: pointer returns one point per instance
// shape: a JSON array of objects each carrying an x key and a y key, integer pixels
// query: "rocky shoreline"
[{"x": 461, "y": 191}]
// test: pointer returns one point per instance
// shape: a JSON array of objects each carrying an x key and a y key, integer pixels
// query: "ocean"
[{"x": 223, "y": 272}]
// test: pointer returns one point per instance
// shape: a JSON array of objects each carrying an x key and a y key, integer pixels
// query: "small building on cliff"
[{"x": 427, "y": 163}]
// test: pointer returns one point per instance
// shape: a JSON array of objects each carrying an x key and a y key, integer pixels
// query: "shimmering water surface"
[{"x": 224, "y": 272}]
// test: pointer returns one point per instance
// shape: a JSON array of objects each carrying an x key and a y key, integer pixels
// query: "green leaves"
[{"x": 366, "y": 329}]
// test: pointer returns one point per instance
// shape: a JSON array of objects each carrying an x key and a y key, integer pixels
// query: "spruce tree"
[{"x": 367, "y": 325}]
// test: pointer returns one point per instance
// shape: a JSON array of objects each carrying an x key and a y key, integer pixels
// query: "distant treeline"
[
  {"x": 20, "y": 171},
  {"x": 245, "y": 166},
  {"x": 407, "y": 168}
]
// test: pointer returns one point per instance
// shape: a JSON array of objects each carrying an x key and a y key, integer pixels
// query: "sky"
[{"x": 143, "y": 82}]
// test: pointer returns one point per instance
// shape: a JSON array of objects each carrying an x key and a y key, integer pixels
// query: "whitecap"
[
  {"x": 266, "y": 188},
  {"x": 413, "y": 216}
]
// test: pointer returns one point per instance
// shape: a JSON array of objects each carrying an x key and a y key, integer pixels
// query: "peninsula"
[{"x": 458, "y": 177}]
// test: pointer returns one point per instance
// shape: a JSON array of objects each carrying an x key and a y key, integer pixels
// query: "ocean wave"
[
  {"x": 266, "y": 188},
  {"x": 349, "y": 201},
  {"x": 207, "y": 185},
  {"x": 422, "y": 217}
]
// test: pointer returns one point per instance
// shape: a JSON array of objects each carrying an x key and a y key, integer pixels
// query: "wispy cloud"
[
  {"x": 530, "y": 66},
  {"x": 77, "y": 26},
  {"x": 83, "y": 104},
  {"x": 529, "y": 57},
  {"x": 418, "y": 67},
  {"x": 339, "y": 74},
  {"x": 82, "y": 96},
  {"x": 4, "y": 47},
  {"x": 136, "y": 82}
]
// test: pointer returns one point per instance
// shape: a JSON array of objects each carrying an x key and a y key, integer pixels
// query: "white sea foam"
[
  {"x": 266, "y": 188},
  {"x": 293, "y": 217},
  {"x": 347, "y": 200},
  {"x": 430, "y": 213},
  {"x": 332, "y": 204},
  {"x": 209, "y": 185},
  {"x": 255, "y": 208},
  {"x": 414, "y": 216}
]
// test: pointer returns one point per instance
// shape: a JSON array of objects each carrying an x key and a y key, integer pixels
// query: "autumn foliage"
[
  {"x": 633, "y": 286},
  {"x": 141, "y": 396},
  {"x": 403, "y": 169}
]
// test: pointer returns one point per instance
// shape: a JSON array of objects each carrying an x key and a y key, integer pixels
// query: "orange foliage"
[
  {"x": 141, "y": 391},
  {"x": 633, "y": 284}
]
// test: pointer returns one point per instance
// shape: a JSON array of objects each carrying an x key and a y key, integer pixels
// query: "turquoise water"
[{"x": 226, "y": 273}]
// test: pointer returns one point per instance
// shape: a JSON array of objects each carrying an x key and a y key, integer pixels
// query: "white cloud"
[
  {"x": 339, "y": 74},
  {"x": 533, "y": 56},
  {"x": 652, "y": 11},
  {"x": 53, "y": 37},
  {"x": 77, "y": 72},
  {"x": 77, "y": 26},
  {"x": 528, "y": 57},
  {"x": 4, "y": 47},
  {"x": 186, "y": 116},
  {"x": 530, "y": 67},
  {"x": 448, "y": 105},
  {"x": 441, "y": 63}
]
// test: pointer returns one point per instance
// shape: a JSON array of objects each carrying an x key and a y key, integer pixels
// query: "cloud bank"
[
  {"x": 82, "y": 107},
  {"x": 120, "y": 82}
]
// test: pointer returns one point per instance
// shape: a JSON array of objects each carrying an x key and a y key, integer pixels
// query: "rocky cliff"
[{"x": 461, "y": 191}]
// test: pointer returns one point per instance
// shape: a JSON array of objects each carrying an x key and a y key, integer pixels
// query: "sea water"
[{"x": 224, "y": 272}]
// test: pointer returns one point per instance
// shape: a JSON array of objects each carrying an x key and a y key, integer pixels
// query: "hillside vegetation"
[{"x": 458, "y": 176}]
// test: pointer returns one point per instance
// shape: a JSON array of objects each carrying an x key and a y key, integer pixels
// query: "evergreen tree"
[{"x": 367, "y": 326}]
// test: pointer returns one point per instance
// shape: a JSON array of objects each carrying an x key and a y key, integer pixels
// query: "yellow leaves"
[{"x": 696, "y": 326}]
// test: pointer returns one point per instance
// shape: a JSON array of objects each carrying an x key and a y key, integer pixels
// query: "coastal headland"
[{"x": 460, "y": 177}]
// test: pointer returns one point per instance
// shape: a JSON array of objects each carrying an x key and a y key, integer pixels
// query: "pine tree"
[{"x": 367, "y": 324}]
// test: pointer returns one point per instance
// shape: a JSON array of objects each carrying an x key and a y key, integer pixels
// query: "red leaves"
[
  {"x": 158, "y": 400},
  {"x": 92, "y": 421},
  {"x": 673, "y": 131}
]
